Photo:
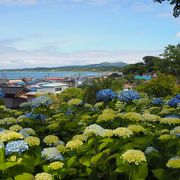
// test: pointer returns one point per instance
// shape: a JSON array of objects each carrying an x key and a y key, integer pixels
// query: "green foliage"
[
  {"x": 1, "y": 102},
  {"x": 24, "y": 176},
  {"x": 71, "y": 93},
  {"x": 92, "y": 140},
  {"x": 93, "y": 86},
  {"x": 162, "y": 86},
  {"x": 169, "y": 63},
  {"x": 172, "y": 56},
  {"x": 137, "y": 68},
  {"x": 175, "y": 3},
  {"x": 6, "y": 112}
]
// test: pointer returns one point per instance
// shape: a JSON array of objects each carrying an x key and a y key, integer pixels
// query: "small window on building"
[{"x": 58, "y": 89}]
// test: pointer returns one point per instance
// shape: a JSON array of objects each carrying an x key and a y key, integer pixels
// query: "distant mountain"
[
  {"x": 114, "y": 64},
  {"x": 104, "y": 66}
]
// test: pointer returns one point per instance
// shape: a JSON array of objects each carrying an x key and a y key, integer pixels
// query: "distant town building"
[
  {"x": 143, "y": 77},
  {"x": 154, "y": 75},
  {"x": 52, "y": 88},
  {"x": 128, "y": 86},
  {"x": 13, "y": 96},
  {"x": 14, "y": 82},
  {"x": 113, "y": 74},
  {"x": 45, "y": 88},
  {"x": 55, "y": 79},
  {"x": 79, "y": 83}
]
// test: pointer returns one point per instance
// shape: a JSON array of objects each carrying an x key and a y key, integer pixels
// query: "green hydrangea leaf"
[{"x": 24, "y": 176}]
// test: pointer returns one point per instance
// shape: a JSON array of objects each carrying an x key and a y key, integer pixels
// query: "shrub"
[
  {"x": 92, "y": 87},
  {"x": 1, "y": 102},
  {"x": 162, "y": 86},
  {"x": 71, "y": 93}
]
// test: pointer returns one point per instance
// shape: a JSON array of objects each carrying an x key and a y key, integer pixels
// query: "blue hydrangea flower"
[
  {"x": 178, "y": 135},
  {"x": 1, "y": 129},
  {"x": 51, "y": 154},
  {"x": 31, "y": 115},
  {"x": 105, "y": 95},
  {"x": 16, "y": 147},
  {"x": 41, "y": 101},
  {"x": 41, "y": 117},
  {"x": 69, "y": 112},
  {"x": 150, "y": 149},
  {"x": 177, "y": 96},
  {"x": 128, "y": 96},
  {"x": 27, "y": 132},
  {"x": 157, "y": 101},
  {"x": 173, "y": 102},
  {"x": 172, "y": 116}
]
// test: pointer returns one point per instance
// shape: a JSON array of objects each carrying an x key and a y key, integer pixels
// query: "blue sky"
[{"x": 65, "y": 32}]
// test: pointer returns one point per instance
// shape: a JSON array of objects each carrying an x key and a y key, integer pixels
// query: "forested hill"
[{"x": 105, "y": 66}]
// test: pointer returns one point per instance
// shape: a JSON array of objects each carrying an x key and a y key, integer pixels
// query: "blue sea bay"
[{"x": 43, "y": 74}]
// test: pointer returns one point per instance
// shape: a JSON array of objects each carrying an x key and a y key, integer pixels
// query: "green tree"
[
  {"x": 71, "y": 93},
  {"x": 162, "y": 86},
  {"x": 93, "y": 86},
  {"x": 175, "y": 3},
  {"x": 169, "y": 63},
  {"x": 172, "y": 56},
  {"x": 137, "y": 68},
  {"x": 149, "y": 60}
]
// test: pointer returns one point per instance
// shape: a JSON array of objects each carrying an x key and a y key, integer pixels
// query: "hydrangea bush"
[
  {"x": 105, "y": 95},
  {"x": 174, "y": 101},
  {"x": 157, "y": 101},
  {"x": 41, "y": 101},
  {"x": 106, "y": 140},
  {"x": 128, "y": 96}
]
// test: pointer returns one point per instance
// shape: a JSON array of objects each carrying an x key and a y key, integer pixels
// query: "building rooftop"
[
  {"x": 13, "y": 90},
  {"x": 53, "y": 84},
  {"x": 144, "y": 77},
  {"x": 55, "y": 78}
]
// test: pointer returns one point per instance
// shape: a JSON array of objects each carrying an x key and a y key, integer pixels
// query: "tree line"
[{"x": 168, "y": 62}]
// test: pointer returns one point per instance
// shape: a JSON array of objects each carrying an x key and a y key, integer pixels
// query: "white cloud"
[
  {"x": 14, "y": 2},
  {"x": 165, "y": 15},
  {"x": 11, "y": 57},
  {"x": 178, "y": 34},
  {"x": 94, "y": 2},
  {"x": 89, "y": 2},
  {"x": 30, "y": 2}
]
